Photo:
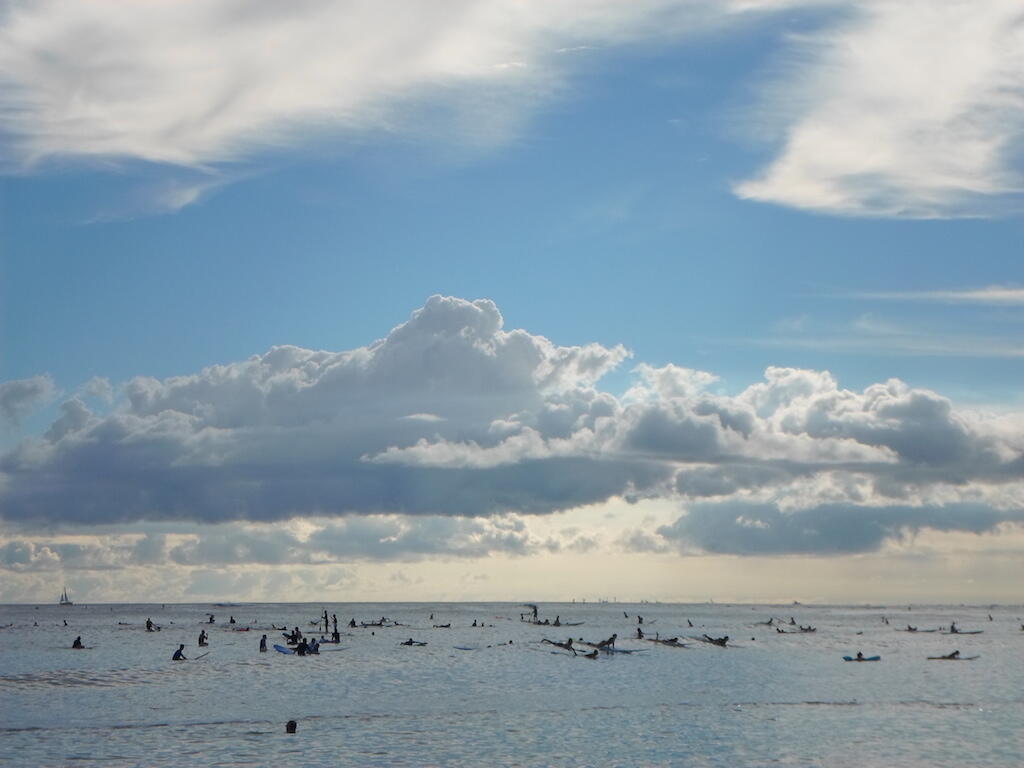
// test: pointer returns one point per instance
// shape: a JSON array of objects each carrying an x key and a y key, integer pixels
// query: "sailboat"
[{"x": 64, "y": 599}]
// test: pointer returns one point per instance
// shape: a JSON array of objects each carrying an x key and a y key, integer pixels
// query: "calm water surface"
[{"x": 774, "y": 699}]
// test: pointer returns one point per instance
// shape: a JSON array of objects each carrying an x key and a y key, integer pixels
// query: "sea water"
[{"x": 773, "y": 699}]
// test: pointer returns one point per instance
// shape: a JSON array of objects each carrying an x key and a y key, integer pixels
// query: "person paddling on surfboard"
[
  {"x": 179, "y": 654},
  {"x": 567, "y": 645}
]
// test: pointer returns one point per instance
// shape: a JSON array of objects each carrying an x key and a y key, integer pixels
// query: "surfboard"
[
  {"x": 866, "y": 658},
  {"x": 957, "y": 658},
  {"x": 965, "y": 632},
  {"x": 282, "y": 649}
]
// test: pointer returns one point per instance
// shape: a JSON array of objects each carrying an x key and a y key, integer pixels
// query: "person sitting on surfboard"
[
  {"x": 179, "y": 654},
  {"x": 78, "y": 642}
]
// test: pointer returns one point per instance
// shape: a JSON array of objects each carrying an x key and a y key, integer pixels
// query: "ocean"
[{"x": 497, "y": 695}]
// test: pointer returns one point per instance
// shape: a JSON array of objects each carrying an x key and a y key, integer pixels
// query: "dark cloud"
[
  {"x": 738, "y": 528},
  {"x": 19, "y": 396}
]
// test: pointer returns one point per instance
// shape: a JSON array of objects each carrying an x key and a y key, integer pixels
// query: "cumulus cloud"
[
  {"x": 19, "y": 396},
  {"x": 890, "y": 107},
  {"x": 517, "y": 424}
]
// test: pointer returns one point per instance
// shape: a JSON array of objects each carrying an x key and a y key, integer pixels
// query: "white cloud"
[
  {"x": 993, "y": 294},
  {"x": 521, "y": 428},
  {"x": 911, "y": 108},
  {"x": 890, "y": 108}
]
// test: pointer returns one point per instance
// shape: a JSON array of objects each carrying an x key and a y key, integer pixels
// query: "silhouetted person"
[
  {"x": 78, "y": 642},
  {"x": 290, "y": 726},
  {"x": 263, "y": 644},
  {"x": 179, "y": 654}
]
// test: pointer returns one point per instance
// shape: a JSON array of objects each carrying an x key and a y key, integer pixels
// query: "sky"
[{"x": 671, "y": 300}]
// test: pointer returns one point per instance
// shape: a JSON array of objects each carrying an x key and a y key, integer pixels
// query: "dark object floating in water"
[{"x": 863, "y": 658}]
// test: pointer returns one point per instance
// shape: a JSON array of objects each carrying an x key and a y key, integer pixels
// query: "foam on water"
[{"x": 779, "y": 699}]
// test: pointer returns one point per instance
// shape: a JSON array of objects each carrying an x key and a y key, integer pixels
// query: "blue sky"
[{"x": 718, "y": 187}]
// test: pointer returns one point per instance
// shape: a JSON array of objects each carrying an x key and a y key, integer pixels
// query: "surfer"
[
  {"x": 953, "y": 655},
  {"x": 352, "y": 624},
  {"x": 203, "y": 637},
  {"x": 334, "y": 623},
  {"x": 231, "y": 619},
  {"x": 335, "y": 635},
  {"x": 179, "y": 654},
  {"x": 859, "y": 656},
  {"x": 721, "y": 641},
  {"x": 639, "y": 634},
  {"x": 911, "y": 629},
  {"x": 567, "y": 645},
  {"x": 78, "y": 642},
  {"x": 591, "y": 655},
  {"x": 689, "y": 623},
  {"x": 609, "y": 643},
  {"x": 302, "y": 648},
  {"x": 150, "y": 626},
  {"x": 410, "y": 641},
  {"x": 952, "y": 628},
  {"x": 535, "y": 613},
  {"x": 263, "y": 644},
  {"x": 210, "y": 620}
]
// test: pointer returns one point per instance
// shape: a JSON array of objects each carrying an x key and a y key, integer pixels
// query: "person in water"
[
  {"x": 410, "y": 641},
  {"x": 210, "y": 620},
  {"x": 231, "y": 619},
  {"x": 952, "y": 628},
  {"x": 591, "y": 655},
  {"x": 263, "y": 644},
  {"x": 953, "y": 655},
  {"x": 78, "y": 642},
  {"x": 302, "y": 648},
  {"x": 860, "y": 656},
  {"x": 203, "y": 637},
  {"x": 352, "y": 624},
  {"x": 567, "y": 645},
  {"x": 179, "y": 655},
  {"x": 150, "y": 626},
  {"x": 717, "y": 640},
  {"x": 911, "y": 629},
  {"x": 639, "y": 634},
  {"x": 558, "y": 621},
  {"x": 334, "y": 623}
]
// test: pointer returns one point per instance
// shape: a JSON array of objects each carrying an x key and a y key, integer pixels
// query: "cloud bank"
[
  {"x": 889, "y": 108},
  {"x": 426, "y": 441}
]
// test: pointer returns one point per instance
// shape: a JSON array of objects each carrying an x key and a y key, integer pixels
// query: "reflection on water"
[{"x": 468, "y": 697}]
